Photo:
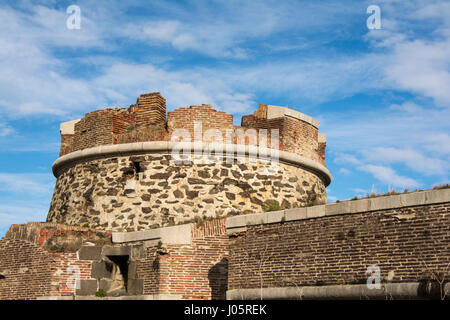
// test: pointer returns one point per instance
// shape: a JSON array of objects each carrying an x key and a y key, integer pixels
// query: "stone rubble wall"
[{"x": 147, "y": 191}]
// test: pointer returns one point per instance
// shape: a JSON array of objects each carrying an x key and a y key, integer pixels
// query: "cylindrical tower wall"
[{"x": 138, "y": 186}]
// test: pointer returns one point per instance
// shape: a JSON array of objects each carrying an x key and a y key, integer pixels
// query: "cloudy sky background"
[{"x": 381, "y": 96}]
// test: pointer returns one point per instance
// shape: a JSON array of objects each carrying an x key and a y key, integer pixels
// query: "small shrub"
[
  {"x": 272, "y": 207},
  {"x": 159, "y": 245},
  {"x": 442, "y": 186},
  {"x": 100, "y": 293}
]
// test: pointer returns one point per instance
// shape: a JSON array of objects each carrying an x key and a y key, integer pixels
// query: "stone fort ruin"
[{"x": 129, "y": 221}]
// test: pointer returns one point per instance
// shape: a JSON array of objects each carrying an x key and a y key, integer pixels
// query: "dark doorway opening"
[{"x": 119, "y": 274}]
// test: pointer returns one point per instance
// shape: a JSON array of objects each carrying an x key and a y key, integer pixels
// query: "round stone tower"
[{"x": 132, "y": 169}]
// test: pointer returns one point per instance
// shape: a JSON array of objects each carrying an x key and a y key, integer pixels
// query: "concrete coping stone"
[
  {"x": 234, "y": 150},
  {"x": 277, "y": 111},
  {"x": 408, "y": 290},
  {"x": 68, "y": 127},
  {"x": 180, "y": 234},
  {"x": 241, "y": 222}
]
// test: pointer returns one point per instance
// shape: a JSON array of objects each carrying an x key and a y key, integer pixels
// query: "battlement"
[{"x": 146, "y": 121}]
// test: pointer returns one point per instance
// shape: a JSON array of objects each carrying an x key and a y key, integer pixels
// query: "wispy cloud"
[
  {"x": 5, "y": 129},
  {"x": 387, "y": 175},
  {"x": 26, "y": 183},
  {"x": 411, "y": 158}
]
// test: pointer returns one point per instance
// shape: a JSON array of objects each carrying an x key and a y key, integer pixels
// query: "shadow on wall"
[{"x": 218, "y": 280}]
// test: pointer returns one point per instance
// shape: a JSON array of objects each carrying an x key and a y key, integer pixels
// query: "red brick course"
[
  {"x": 146, "y": 121},
  {"x": 405, "y": 242},
  {"x": 196, "y": 271}
]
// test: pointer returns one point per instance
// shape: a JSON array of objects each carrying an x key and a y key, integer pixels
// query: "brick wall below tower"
[
  {"x": 406, "y": 243},
  {"x": 196, "y": 271}
]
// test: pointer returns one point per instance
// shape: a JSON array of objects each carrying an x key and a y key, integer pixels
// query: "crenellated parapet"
[{"x": 146, "y": 121}]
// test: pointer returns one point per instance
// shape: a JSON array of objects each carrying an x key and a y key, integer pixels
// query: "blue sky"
[{"x": 382, "y": 97}]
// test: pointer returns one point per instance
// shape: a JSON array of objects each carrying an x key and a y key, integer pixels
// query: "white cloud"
[
  {"x": 17, "y": 214},
  {"x": 223, "y": 28},
  {"x": 348, "y": 159},
  {"x": 438, "y": 143},
  {"x": 411, "y": 158},
  {"x": 422, "y": 67},
  {"x": 408, "y": 107},
  {"x": 389, "y": 176},
  {"x": 5, "y": 129},
  {"x": 26, "y": 183}
]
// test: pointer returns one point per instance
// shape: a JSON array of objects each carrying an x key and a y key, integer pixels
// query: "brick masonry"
[
  {"x": 407, "y": 243},
  {"x": 318, "y": 245},
  {"x": 195, "y": 271},
  {"x": 33, "y": 268},
  {"x": 37, "y": 259},
  {"x": 146, "y": 121}
]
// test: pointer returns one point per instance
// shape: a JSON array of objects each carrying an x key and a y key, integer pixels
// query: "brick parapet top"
[{"x": 264, "y": 112}]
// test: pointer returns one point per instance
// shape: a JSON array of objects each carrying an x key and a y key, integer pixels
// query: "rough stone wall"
[
  {"x": 196, "y": 271},
  {"x": 139, "y": 192},
  {"x": 403, "y": 242}
]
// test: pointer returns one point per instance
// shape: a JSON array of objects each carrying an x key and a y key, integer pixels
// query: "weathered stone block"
[
  {"x": 135, "y": 286},
  {"x": 101, "y": 269},
  {"x": 90, "y": 253},
  {"x": 116, "y": 251},
  {"x": 87, "y": 287}
]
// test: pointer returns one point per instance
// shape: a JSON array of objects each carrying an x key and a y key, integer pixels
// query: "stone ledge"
[
  {"x": 277, "y": 112},
  {"x": 240, "y": 223},
  {"x": 180, "y": 234},
  {"x": 236, "y": 150},
  {"x": 411, "y": 290}
]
